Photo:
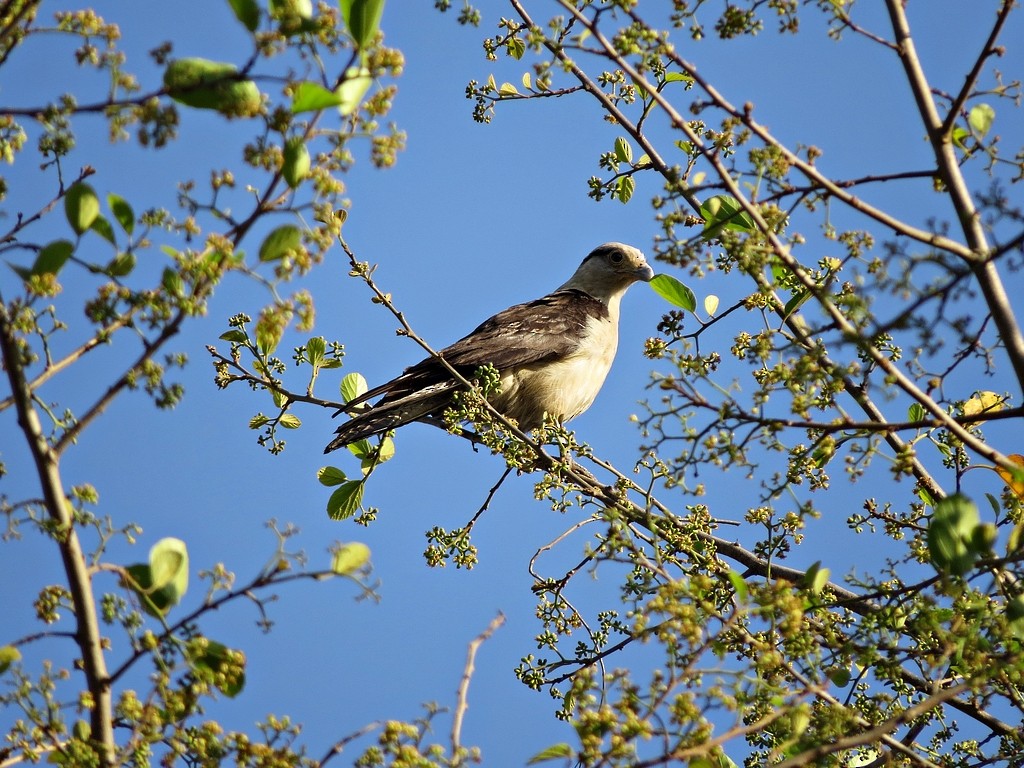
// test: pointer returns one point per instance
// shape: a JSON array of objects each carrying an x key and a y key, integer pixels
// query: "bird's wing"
[{"x": 533, "y": 333}]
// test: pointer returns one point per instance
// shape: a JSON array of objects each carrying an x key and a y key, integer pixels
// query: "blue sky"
[{"x": 472, "y": 219}]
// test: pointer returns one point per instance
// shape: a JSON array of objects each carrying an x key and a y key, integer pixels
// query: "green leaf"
[
  {"x": 290, "y": 421},
  {"x": 958, "y": 135},
  {"x": 122, "y": 211},
  {"x": 205, "y": 84},
  {"x": 351, "y": 92},
  {"x": 915, "y": 412},
  {"x": 330, "y": 476},
  {"x": 623, "y": 150},
  {"x": 247, "y": 12},
  {"x": 279, "y": 242},
  {"x": 268, "y": 336},
  {"x": 980, "y": 119},
  {"x": 352, "y": 386},
  {"x": 624, "y": 189},
  {"x": 674, "y": 292},
  {"x": 8, "y": 655},
  {"x": 315, "y": 349},
  {"x": 360, "y": 448},
  {"x": 345, "y": 500},
  {"x": 516, "y": 48},
  {"x": 172, "y": 282},
  {"x": 52, "y": 258},
  {"x": 711, "y": 304},
  {"x": 350, "y": 557},
  {"x": 235, "y": 336},
  {"x": 81, "y": 206},
  {"x": 296, "y": 161},
  {"x": 378, "y": 455},
  {"x": 362, "y": 18},
  {"x": 508, "y": 89},
  {"x": 156, "y": 602},
  {"x": 840, "y": 676},
  {"x": 258, "y": 421},
  {"x": 724, "y": 212},
  {"x": 951, "y": 534},
  {"x": 796, "y": 301},
  {"x": 168, "y": 567},
  {"x": 554, "y": 752},
  {"x": 121, "y": 265},
  {"x": 816, "y": 578},
  {"x": 640, "y": 90},
  {"x": 738, "y": 584},
  {"x": 102, "y": 227},
  {"x": 310, "y": 97},
  {"x": 677, "y": 77}
]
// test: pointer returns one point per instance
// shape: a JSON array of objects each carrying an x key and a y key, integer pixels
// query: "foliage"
[
  {"x": 857, "y": 350},
  {"x": 867, "y": 354},
  {"x": 135, "y": 687}
]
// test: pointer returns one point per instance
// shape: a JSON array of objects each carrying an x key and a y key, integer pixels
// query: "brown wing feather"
[{"x": 538, "y": 331}]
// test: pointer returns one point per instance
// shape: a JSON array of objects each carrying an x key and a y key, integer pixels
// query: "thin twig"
[{"x": 462, "y": 695}]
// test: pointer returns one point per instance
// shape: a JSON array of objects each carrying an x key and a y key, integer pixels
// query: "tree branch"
[
  {"x": 939, "y": 134},
  {"x": 462, "y": 695},
  {"x": 989, "y": 49},
  {"x": 46, "y": 460}
]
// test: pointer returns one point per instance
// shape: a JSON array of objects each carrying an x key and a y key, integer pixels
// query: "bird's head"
[{"x": 609, "y": 270}]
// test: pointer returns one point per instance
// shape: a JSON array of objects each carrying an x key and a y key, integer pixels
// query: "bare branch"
[
  {"x": 46, "y": 460},
  {"x": 987, "y": 51},
  {"x": 462, "y": 696}
]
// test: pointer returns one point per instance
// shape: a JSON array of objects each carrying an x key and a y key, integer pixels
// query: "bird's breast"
[{"x": 562, "y": 388}]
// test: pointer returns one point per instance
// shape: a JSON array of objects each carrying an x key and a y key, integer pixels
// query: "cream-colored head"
[{"x": 608, "y": 271}]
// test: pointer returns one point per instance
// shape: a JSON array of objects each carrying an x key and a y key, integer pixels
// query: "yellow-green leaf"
[
  {"x": 351, "y": 92},
  {"x": 247, "y": 12},
  {"x": 122, "y": 212},
  {"x": 350, "y": 557},
  {"x": 52, "y": 257},
  {"x": 81, "y": 206},
  {"x": 362, "y": 18},
  {"x": 981, "y": 118},
  {"x": 168, "y": 563},
  {"x": 296, "y": 161},
  {"x": 554, "y": 752},
  {"x": 345, "y": 500},
  {"x": 310, "y": 97},
  {"x": 352, "y": 386},
  {"x": 8, "y": 655},
  {"x": 330, "y": 476},
  {"x": 623, "y": 150},
  {"x": 280, "y": 242},
  {"x": 206, "y": 84},
  {"x": 724, "y": 212},
  {"x": 674, "y": 292}
]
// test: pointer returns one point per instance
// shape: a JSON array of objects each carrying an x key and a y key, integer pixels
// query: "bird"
[{"x": 552, "y": 355}]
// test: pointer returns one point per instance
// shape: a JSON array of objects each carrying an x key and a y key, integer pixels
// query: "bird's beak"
[{"x": 644, "y": 273}]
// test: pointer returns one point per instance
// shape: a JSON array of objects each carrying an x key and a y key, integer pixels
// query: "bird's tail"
[{"x": 391, "y": 414}]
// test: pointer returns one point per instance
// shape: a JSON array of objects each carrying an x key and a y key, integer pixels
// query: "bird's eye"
[{"x": 617, "y": 257}]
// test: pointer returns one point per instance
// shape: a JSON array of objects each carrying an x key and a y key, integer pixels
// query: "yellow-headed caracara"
[{"x": 552, "y": 354}]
